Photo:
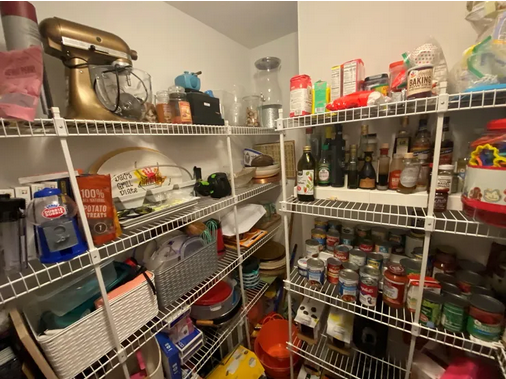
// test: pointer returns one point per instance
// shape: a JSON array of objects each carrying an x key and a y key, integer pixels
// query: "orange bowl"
[{"x": 273, "y": 337}]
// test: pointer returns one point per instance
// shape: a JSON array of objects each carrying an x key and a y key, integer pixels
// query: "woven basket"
[
  {"x": 173, "y": 282},
  {"x": 81, "y": 344}
]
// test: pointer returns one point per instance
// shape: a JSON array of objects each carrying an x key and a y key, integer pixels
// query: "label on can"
[
  {"x": 321, "y": 243},
  {"x": 383, "y": 249},
  {"x": 332, "y": 240},
  {"x": 419, "y": 80},
  {"x": 366, "y": 246},
  {"x": 393, "y": 181},
  {"x": 359, "y": 260},
  {"x": 342, "y": 254},
  {"x": 348, "y": 289},
  {"x": 347, "y": 240},
  {"x": 453, "y": 318},
  {"x": 368, "y": 292},
  {"x": 487, "y": 332},
  {"x": 332, "y": 278},
  {"x": 315, "y": 276},
  {"x": 430, "y": 313},
  {"x": 373, "y": 262}
]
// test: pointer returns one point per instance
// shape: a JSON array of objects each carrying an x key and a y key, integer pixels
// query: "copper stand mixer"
[{"x": 81, "y": 47}]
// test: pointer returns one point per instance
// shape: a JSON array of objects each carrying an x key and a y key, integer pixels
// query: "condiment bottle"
[
  {"x": 338, "y": 160},
  {"x": 367, "y": 175},
  {"x": 352, "y": 168},
  {"x": 362, "y": 146},
  {"x": 394, "y": 285},
  {"x": 402, "y": 143},
  {"x": 395, "y": 171},
  {"x": 324, "y": 167},
  {"x": 163, "y": 112},
  {"x": 446, "y": 152},
  {"x": 383, "y": 166},
  {"x": 409, "y": 175},
  {"x": 306, "y": 176},
  {"x": 422, "y": 143},
  {"x": 423, "y": 176}
]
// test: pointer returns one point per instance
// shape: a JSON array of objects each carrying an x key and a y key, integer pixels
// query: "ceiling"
[{"x": 251, "y": 23}]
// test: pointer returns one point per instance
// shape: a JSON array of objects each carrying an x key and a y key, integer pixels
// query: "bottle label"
[
  {"x": 444, "y": 182},
  {"x": 422, "y": 150},
  {"x": 402, "y": 145},
  {"x": 446, "y": 155},
  {"x": 419, "y": 81},
  {"x": 324, "y": 175},
  {"x": 305, "y": 182},
  {"x": 393, "y": 182},
  {"x": 409, "y": 176},
  {"x": 367, "y": 183},
  {"x": 186, "y": 114}
]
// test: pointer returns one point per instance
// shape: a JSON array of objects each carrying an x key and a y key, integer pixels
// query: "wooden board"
[{"x": 274, "y": 150}]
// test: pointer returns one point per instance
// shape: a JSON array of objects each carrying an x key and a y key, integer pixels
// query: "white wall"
[
  {"x": 168, "y": 42},
  {"x": 332, "y": 33}
]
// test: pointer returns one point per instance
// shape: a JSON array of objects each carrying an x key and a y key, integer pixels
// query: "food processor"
[
  {"x": 267, "y": 86},
  {"x": 102, "y": 84}
]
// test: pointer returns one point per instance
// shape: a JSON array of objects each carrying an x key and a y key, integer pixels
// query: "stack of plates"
[{"x": 272, "y": 259}]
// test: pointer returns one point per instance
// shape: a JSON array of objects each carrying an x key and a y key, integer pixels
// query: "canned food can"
[
  {"x": 397, "y": 236},
  {"x": 348, "y": 283},
  {"x": 363, "y": 231},
  {"x": 411, "y": 266},
  {"x": 430, "y": 312},
  {"x": 369, "y": 281},
  {"x": 302, "y": 265},
  {"x": 375, "y": 260},
  {"x": 312, "y": 248},
  {"x": 347, "y": 229},
  {"x": 347, "y": 239},
  {"x": 366, "y": 245},
  {"x": 454, "y": 312},
  {"x": 351, "y": 266},
  {"x": 358, "y": 257},
  {"x": 315, "y": 272},
  {"x": 384, "y": 248},
  {"x": 334, "y": 225},
  {"x": 334, "y": 265},
  {"x": 319, "y": 235},
  {"x": 332, "y": 239},
  {"x": 342, "y": 253},
  {"x": 414, "y": 239},
  {"x": 378, "y": 233},
  {"x": 320, "y": 223}
]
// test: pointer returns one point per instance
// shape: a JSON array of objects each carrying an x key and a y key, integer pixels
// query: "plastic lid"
[
  {"x": 376, "y": 77},
  {"x": 395, "y": 64},
  {"x": 215, "y": 295},
  {"x": 446, "y": 167},
  {"x": 267, "y": 63},
  {"x": 307, "y": 148},
  {"x": 176, "y": 89},
  {"x": 47, "y": 192},
  {"x": 497, "y": 124},
  {"x": 10, "y": 209}
]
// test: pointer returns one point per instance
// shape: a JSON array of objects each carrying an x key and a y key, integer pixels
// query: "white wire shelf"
[
  {"x": 226, "y": 265},
  {"x": 501, "y": 359},
  {"x": 328, "y": 294},
  {"x": 358, "y": 365},
  {"x": 454, "y": 102},
  {"x": 215, "y": 337},
  {"x": 457, "y": 222},
  {"x": 392, "y": 215},
  {"x": 39, "y": 275},
  {"x": 47, "y": 128}
]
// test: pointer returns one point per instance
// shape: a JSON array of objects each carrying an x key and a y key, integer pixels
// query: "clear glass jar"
[
  {"x": 444, "y": 177},
  {"x": 252, "y": 110},
  {"x": 162, "y": 107},
  {"x": 179, "y": 106},
  {"x": 267, "y": 85}
]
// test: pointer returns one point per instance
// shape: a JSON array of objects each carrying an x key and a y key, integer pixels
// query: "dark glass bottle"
[
  {"x": 338, "y": 160},
  {"x": 446, "y": 152},
  {"x": 422, "y": 143},
  {"x": 367, "y": 176},
  {"x": 352, "y": 169},
  {"x": 324, "y": 167},
  {"x": 306, "y": 176}
]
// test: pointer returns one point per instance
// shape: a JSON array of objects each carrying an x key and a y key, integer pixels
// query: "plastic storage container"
[{"x": 484, "y": 193}]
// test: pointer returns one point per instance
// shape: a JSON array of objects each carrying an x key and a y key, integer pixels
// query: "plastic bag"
[
  {"x": 358, "y": 99},
  {"x": 429, "y": 53},
  {"x": 20, "y": 82}
]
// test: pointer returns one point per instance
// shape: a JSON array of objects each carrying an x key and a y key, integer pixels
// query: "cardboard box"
[
  {"x": 353, "y": 76},
  {"x": 336, "y": 82},
  {"x": 189, "y": 345},
  {"x": 311, "y": 318},
  {"x": 321, "y": 97},
  {"x": 170, "y": 357}
]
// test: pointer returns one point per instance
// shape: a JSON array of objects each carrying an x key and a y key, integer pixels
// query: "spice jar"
[
  {"x": 446, "y": 262},
  {"x": 394, "y": 285},
  {"x": 179, "y": 106},
  {"x": 252, "y": 105},
  {"x": 162, "y": 107}
]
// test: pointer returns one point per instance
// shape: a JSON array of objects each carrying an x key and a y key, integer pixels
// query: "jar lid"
[
  {"x": 473, "y": 266},
  {"x": 469, "y": 277},
  {"x": 411, "y": 264},
  {"x": 395, "y": 64},
  {"x": 47, "y": 192},
  {"x": 302, "y": 263},
  {"x": 176, "y": 89},
  {"x": 396, "y": 269},
  {"x": 433, "y": 297},
  {"x": 449, "y": 288},
  {"x": 497, "y": 124},
  {"x": 487, "y": 304},
  {"x": 445, "y": 249},
  {"x": 455, "y": 299},
  {"x": 446, "y": 167},
  {"x": 445, "y": 278},
  {"x": 268, "y": 63}
]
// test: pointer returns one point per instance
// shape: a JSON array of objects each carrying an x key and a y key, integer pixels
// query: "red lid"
[
  {"x": 396, "y": 269},
  {"x": 395, "y": 64},
  {"x": 216, "y": 295},
  {"x": 497, "y": 124}
]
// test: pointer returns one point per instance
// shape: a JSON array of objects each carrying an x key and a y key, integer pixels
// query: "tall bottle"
[
  {"x": 409, "y": 174},
  {"x": 402, "y": 143},
  {"x": 324, "y": 167},
  {"x": 422, "y": 143},
  {"x": 446, "y": 152},
  {"x": 362, "y": 145},
  {"x": 313, "y": 141},
  {"x": 306, "y": 175},
  {"x": 423, "y": 176},
  {"x": 395, "y": 171},
  {"x": 353, "y": 168},
  {"x": 383, "y": 168},
  {"x": 367, "y": 176},
  {"x": 338, "y": 160}
]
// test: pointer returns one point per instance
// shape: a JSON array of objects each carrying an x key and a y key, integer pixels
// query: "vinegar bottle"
[{"x": 306, "y": 176}]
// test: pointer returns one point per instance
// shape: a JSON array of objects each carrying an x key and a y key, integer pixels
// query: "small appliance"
[{"x": 189, "y": 80}]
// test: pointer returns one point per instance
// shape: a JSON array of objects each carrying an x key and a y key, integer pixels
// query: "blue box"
[{"x": 170, "y": 357}]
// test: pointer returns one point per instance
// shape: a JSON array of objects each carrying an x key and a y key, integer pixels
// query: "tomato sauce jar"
[
  {"x": 394, "y": 285},
  {"x": 485, "y": 319}
]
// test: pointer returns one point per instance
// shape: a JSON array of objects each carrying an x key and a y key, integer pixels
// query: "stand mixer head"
[{"x": 84, "y": 50}]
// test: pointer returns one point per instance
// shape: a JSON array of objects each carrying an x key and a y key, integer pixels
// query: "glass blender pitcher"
[{"x": 267, "y": 86}]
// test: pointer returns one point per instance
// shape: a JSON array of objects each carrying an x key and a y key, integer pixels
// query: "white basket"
[{"x": 81, "y": 344}]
